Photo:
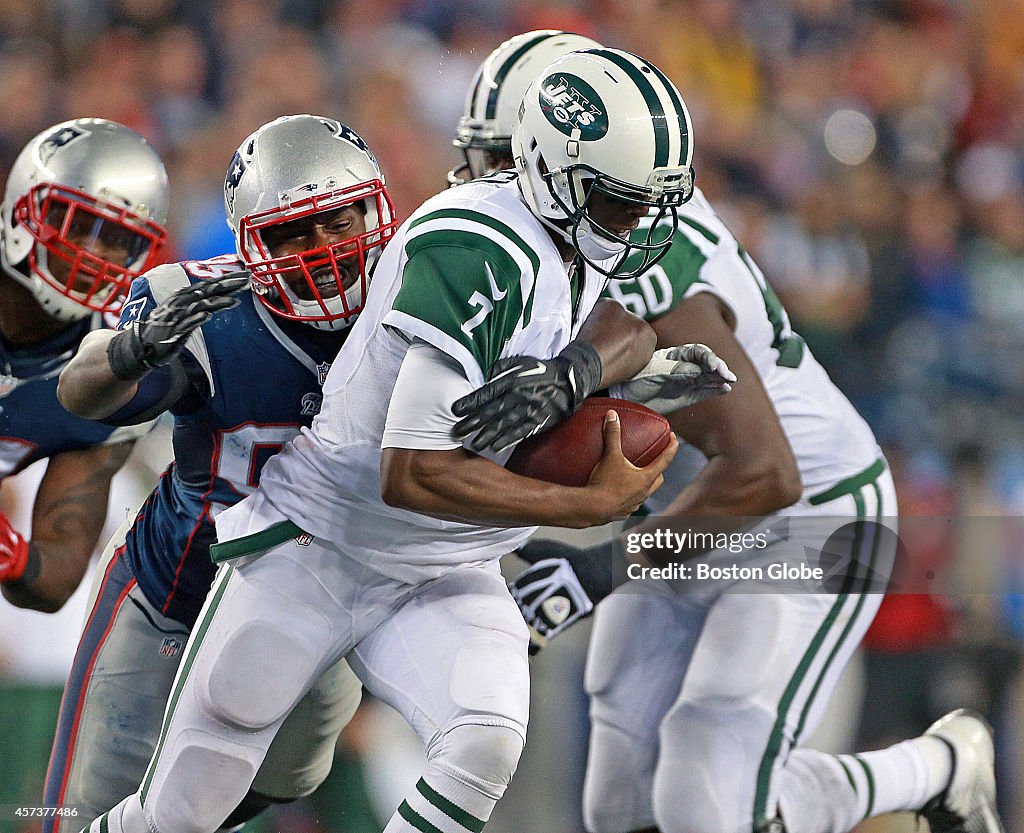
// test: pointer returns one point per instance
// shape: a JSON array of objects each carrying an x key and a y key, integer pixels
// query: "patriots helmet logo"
[
  {"x": 234, "y": 176},
  {"x": 57, "y": 140}
]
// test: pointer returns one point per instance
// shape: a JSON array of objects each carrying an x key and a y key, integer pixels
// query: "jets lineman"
[
  {"x": 788, "y": 442},
  {"x": 242, "y": 375},
  {"x": 699, "y": 702},
  {"x": 326, "y": 558}
]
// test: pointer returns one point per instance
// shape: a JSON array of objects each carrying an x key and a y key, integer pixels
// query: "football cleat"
[{"x": 968, "y": 804}]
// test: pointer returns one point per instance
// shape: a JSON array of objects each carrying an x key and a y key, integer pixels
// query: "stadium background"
[{"x": 869, "y": 154}]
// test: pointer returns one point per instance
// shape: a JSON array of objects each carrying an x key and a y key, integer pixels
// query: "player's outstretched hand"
[
  {"x": 13, "y": 552},
  {"x": 158, "y": 339},
  {"x": 677, "y": 377},
  {"x": 617, "y": 487},
  {"x": 525, "y": 395},
  {"x": 550, "y": 598},
  {"x": 561, "y": 586}
]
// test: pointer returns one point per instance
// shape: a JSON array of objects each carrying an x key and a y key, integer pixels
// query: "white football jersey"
[
  {"x": 829, "y": 438},
  {"x": 474, "y": 274}
]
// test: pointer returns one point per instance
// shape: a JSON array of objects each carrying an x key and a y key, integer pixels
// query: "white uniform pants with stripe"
[
  {"x": 445, "y": 654},
  {"x": 697, "y": 699},
  {"x": 114, "y": 702}
]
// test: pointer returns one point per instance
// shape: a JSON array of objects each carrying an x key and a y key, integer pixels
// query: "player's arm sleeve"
[
  {"x": 420, "y": 414},
  {"x": 466, "y": 290}
]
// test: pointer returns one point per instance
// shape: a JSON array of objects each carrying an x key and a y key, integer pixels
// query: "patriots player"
[
  {"x": 82, "y": 216},
  {"x": 375, "y": 535},
  {"x": 242, "y": 374},
  {"x": 700, "y": 732}
]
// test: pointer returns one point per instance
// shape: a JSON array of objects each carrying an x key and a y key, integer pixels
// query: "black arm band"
[
  {"x": 587, "y": 365},
  {"x": 124, "y": 355}
]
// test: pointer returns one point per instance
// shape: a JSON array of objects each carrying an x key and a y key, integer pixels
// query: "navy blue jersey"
[
  {"x": 33, "y": 424},
  {"x": 256, "y": 380}
]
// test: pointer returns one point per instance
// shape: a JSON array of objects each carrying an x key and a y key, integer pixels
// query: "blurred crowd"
[{"x": 869, "y": 153}]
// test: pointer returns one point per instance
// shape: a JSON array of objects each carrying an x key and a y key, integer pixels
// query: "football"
[{"x": 568, "y": 452}]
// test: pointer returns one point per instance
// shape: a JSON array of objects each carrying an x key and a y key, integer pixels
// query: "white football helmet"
[
  {"x": 290, "y": 169},
  {"x": 83, "y": 216},
  {"x": 500, "y": 82},
  {"x": 604, "y": 121}
]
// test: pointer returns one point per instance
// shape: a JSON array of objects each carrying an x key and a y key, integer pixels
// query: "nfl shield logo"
[
  {"x": 321, "y": 372},
  {"x": 304, "y": 540},
  {"x": 170, "y": 646}
]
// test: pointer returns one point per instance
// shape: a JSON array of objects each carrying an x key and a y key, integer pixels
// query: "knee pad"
[
  {"x": 620, "y": 774},
  {"x": 706, "y": 777},
  {"x": 282, "y": 663},
  {"x": 484, "y": 754}
]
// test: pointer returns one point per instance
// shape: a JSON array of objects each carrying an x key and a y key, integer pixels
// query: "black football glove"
[
  {"x": 159, "y": 338},
  {"x": 561, "y": 587},
  {"x": 525, "y": 395}
]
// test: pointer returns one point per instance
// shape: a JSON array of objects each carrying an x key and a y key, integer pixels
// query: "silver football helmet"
[
  {"x": 492, "y": 101},
  {"x": 83, "y": 216},
  {"x": 289, "y": 170},
  {"x": 604, "y": 121}
]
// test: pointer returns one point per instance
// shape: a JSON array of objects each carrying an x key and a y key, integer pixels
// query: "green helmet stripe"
[
  {"x": 677, "y": 102},
  {"x": 505, "y": 69},
  {"x": 478, "y": 79},
  {"x": 661, "y": 137}
]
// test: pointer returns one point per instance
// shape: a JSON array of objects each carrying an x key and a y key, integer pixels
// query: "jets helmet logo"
[{"x": 571, "y": 105}]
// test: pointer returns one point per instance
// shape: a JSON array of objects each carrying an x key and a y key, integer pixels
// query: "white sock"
[
  {"x": 126, "y": 817},
  {"x": 821, "y": 793},
  {"x": 445, "y": 801}
]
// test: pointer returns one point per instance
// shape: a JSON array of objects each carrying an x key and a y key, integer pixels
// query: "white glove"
[
  {"x": 677, "y": 377},
  {"x": 551, "y": 598}
]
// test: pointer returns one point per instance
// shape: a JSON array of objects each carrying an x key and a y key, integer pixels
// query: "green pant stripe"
[
  {"x": 450, "y": 808},
  {"x": 771, "y": 752},
  {"x": 857, "y": 543},
  {"x": 183, "y": 672},
  {"x": 416, "y": 820},
  {"x": 850, "y": 484},
  {"x": 105, "y": 823},
  {"x": 849, "y": 775},
  {"x": 871, "y": 785}
]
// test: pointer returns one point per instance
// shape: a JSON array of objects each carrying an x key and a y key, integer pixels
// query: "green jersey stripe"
[
  {"x": 485, "y": 220},
  {"x": 186, "y": 666},
  {"x": 703, "y": 230},
  {"x": 450, "y": 808},
  {"x": 416, "y": 820},
  {"x": 661, "y": 140},
  {"x": 505, "y": 69}
]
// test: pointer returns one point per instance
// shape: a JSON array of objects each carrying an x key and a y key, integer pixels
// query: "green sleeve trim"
[
  {"x": 485, "y": 220},
  {"x": 467, "y": 286}
]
